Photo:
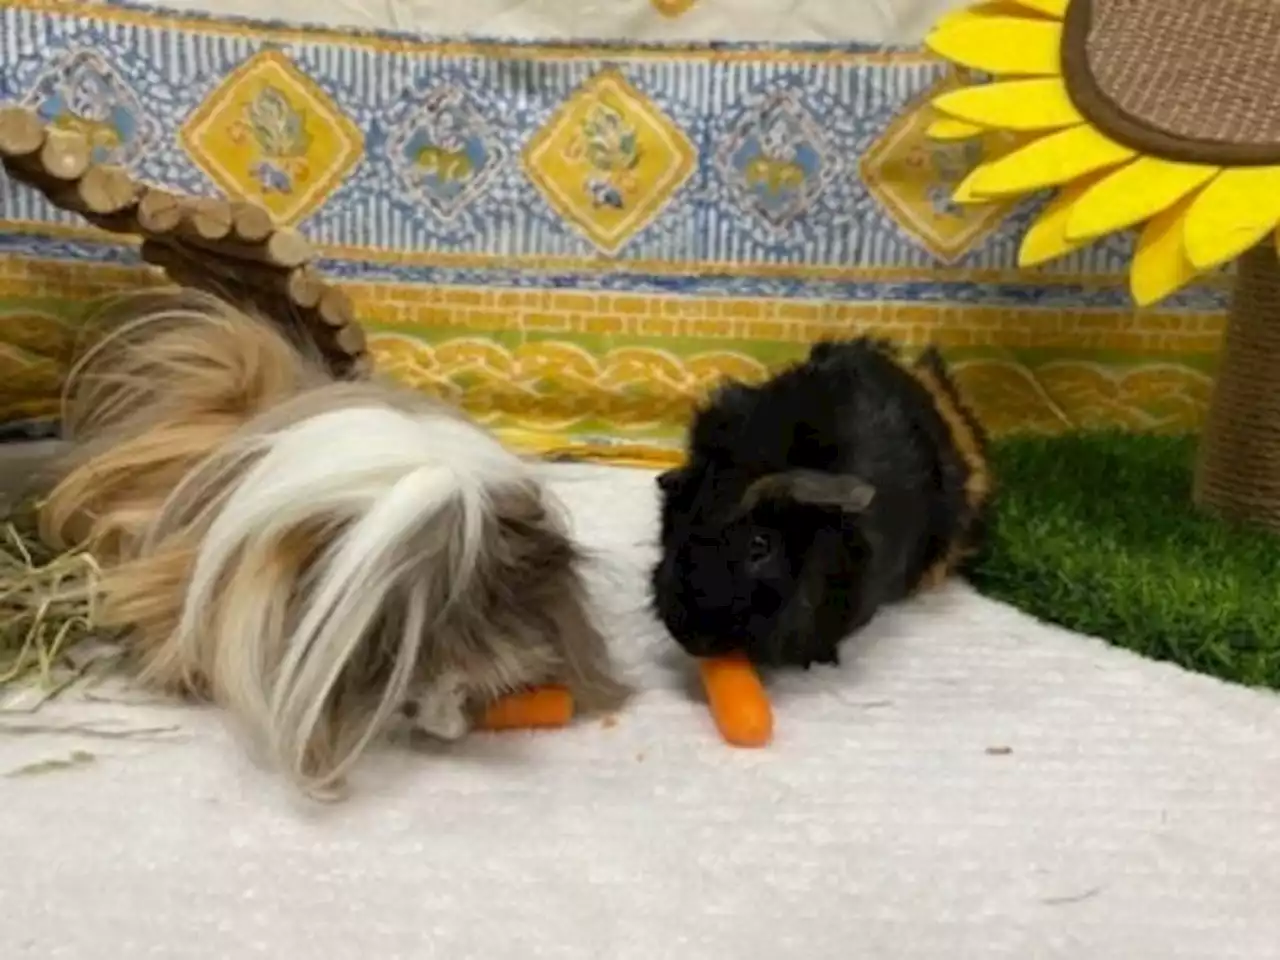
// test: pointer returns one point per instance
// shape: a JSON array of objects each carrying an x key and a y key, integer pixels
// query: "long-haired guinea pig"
[
  {"x": 807, "y": 502},
  {"x": 325, "y": 560}
]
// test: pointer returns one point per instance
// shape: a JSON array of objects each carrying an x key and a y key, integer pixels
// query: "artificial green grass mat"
[{"x": 1097, "y": 532}]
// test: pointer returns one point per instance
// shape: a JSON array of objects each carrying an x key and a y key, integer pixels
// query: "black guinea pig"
[{"x": 807, "y": 502}]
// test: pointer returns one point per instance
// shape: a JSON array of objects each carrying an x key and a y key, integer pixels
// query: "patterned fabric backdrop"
[{"x": 576, "y": 241}]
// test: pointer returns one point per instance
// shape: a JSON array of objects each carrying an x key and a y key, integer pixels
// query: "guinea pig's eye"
[{"x": 760, "y": 549}]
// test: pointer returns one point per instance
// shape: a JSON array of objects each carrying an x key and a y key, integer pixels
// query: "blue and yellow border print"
[{"x": 576, "y": 241}]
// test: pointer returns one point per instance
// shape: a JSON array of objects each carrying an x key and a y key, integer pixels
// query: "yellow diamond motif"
[
  {"x": 913, "y": 177},
  {"x": 609, "y": 160},
  {"x": 270, "y": 133}
]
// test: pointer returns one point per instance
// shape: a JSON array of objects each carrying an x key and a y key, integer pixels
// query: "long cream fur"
[{"x": 319, "y": 557}]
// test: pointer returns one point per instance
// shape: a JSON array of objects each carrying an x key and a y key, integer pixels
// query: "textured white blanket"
[{"x": 970, "y": 784}]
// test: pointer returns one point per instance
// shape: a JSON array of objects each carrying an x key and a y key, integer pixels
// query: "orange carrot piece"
[
  {"x": 539, "y": 708},
  {"x": 738, "y": 701}
]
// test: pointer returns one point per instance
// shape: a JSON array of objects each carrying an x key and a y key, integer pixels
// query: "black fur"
[{"x": 786, "y": 581}]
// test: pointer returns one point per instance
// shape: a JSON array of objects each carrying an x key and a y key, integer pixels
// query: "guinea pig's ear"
[{"x": 843, "y": 491}]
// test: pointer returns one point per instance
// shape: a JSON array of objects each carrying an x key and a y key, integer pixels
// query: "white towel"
[{"x": 969, "y": 784}]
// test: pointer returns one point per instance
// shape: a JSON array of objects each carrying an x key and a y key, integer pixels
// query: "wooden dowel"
[
  {"x": 65, "y": 156},
  {"x": 105, "y": 190},
  {"x": 306, "y": 287},
  {"x": 350, "y": 339},
  {"x": 21, "y": 132},
  {"x": 249, "y": 222},
  {"x": 159, "y": 211},
  {"x": 206, "y": 219},
  {"x": 335, "y": 308}
]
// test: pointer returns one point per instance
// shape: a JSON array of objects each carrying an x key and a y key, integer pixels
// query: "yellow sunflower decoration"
[
  {"x": 1196, "y": 211},
  {"x": 1161, "y": 115}
]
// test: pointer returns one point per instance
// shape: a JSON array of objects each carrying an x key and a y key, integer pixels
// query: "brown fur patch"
[
  {"x": 968, "y": 442},
  {"x": 970, "y": 445}
]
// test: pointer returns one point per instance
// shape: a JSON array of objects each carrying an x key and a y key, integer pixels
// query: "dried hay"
[{"x": 46, "y": 603}]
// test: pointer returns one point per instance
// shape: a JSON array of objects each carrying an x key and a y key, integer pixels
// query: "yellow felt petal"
[
  {"x": 963, "y": 193},
  {"x": 1050, "y": 161},
  {"x": 945, "y": 128},
  {"x": 1000, "y": 45},
  {"x": 1135, "y": 193},
  {"x": 1232, "y": 214},
  {"x": 1052, "y": 8},
  {"x": 995, "y": 145},
  {"x": 1160, "y": 264},
  {"x": 1047, "y": 239},
  {"x": 1039, "y": 104}
]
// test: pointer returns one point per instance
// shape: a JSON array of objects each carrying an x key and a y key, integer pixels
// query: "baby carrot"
[
  {"x": 738, "y": 702},
  {"x": 540, "y": 707}
]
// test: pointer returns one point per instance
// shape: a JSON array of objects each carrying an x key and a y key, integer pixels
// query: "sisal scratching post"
[
  {"x": 1238, "y": 471},
  {"x": 231, "y": 249}
]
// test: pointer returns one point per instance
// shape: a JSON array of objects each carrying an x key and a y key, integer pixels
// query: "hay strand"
[{"x": 46, "y": 603}]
